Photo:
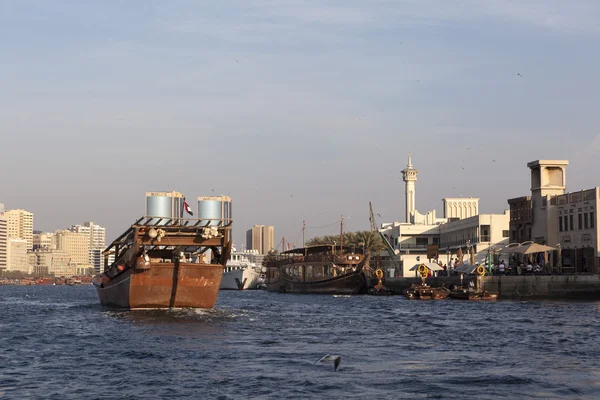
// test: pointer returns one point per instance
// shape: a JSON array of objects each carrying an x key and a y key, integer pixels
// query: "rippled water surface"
[{"x": 58, "y": 342}]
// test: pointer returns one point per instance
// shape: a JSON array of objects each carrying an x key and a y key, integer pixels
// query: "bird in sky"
[
  {"x": 519, "y": 74},
  {"x": 379, "y": 215}
]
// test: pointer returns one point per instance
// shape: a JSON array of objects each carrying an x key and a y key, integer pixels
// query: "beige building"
[
  {"x": 20, "y": 225},
  {"x": 17, "y": 255},
  {"x": 43, "y": 240},
  {"x": 261, "y": 238},
  {"x": 53, "y": 262},
  {"x": 74, "y": 244},
  {"x": 96, "y": 241},
  {"x": 576, "y": 217},
  {"x": 3, "y": 241},
  {"x": 568, "y": 221}
]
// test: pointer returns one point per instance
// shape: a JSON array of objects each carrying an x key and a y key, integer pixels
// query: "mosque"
[{"x": 423, "y": 237}]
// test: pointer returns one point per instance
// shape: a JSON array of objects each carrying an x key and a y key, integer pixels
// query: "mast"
[
  {"x": 341, "y": 234},
  {"x": 303, "y": 230}
]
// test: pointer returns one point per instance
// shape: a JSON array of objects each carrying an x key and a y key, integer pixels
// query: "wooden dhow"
[
  {"x": 322, "y": 269},
  {"x": 165, "y": 263}
]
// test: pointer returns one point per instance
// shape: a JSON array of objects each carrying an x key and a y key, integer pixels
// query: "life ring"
[
  {"x": 379, "y": 273},
  {"x": 422, "y": 269},
  {"x": 481, "y": 270}
]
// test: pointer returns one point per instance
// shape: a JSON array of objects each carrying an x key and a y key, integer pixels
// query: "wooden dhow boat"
[
  {"x": 322, "y": 269},
  {"x": 165, "y": 263}
]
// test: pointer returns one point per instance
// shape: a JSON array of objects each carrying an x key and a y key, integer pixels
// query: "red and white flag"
[{"x": 187, "y": 208}]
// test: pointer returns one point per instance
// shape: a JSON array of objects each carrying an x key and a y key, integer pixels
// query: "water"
[{"x": 57, "y": 342}]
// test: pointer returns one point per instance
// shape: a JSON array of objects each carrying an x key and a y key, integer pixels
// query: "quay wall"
[
  {"x": 547, "y": 286},
  {"x": 517, "y": 287}
]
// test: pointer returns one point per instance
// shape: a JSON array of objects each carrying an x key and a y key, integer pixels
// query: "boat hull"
[
  {"x": 420, "y": 292},
  {"x": 352, "y": 283},
  {"x": 163, "y": 285},
  {"x": 473, "y": 296},
  {"x": 240, "y": 279}
]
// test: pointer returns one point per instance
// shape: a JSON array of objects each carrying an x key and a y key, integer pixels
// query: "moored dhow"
[
  {"x": 322, "y": 269},
  {"x": 166, "y": 263}
]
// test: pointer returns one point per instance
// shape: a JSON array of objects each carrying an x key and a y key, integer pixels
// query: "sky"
[{"x": 298, "y": 110}]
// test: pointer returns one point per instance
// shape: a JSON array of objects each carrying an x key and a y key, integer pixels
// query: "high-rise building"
[
  {"x": 3, "y": 242},
  {"x": 260, "y": 238},
  {"x": 17, "y": 255},
  {"x": 74, "y": 244},
  {"x": 20, "y": 225},
  {"x": 96, "y": 241}
]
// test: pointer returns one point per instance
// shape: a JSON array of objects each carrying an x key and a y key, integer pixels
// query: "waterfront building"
[
  {"x": 3, "y": 241},
  {"x": 1, "y": 208},
  {"x": 554, "y": 217},
  {"x": 261, "y": 238},
  {"x": 96, "y": 241},
  {"x": 42, "y": 240},
  {"x": 96, "y": 260},
  {"x": 521, "y": 219},
  {"x": 17, "y": 255},
  {"x": 20, "y": 225},
  {"x": 425, "y": 237}
]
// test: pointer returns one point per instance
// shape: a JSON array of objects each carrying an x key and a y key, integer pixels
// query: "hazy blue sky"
[{"x": 296, "y": 109}]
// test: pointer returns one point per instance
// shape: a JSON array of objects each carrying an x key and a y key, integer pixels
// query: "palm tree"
[{"x": 371, "y": 242}]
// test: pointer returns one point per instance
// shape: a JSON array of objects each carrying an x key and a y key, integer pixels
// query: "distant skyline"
[{"x": 298, "y": 110}]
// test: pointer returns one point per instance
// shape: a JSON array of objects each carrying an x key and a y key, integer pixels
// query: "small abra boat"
[
  {"x": 379, "y": 289},
  {"x": 423, "y": 291},
  {"x": 461, "y": 293}
]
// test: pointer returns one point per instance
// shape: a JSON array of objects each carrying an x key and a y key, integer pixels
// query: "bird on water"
[{"x": 330, "y": 358}]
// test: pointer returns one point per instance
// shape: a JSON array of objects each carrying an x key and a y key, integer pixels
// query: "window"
[
  {"x": 436, "y": 240},
  {"x": 566, "y": 223},
  {"x": 580, "y": 221},
  {"x": 505, "y": 234},
  {"x": 560, "y": 225},
  {"x": 585, "y": 221},
  {"x": 592, "y": 219},
  {"x": 422, "y": 241},
  {"x": 571, "y": 225}
]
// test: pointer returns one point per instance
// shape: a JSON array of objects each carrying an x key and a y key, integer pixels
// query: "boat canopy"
[
  {"x": 322, "y": 248},
  {"x": 431, "y": 266},
  {"x": 466, "y": 268}
]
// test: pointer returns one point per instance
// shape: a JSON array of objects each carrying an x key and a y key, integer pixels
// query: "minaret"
[{"x": 409, "y": 176}]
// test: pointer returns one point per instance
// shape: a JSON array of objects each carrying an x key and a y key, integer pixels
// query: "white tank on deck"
[
  {"x": 166, "y": 205},
  {"x": 217, "y": 208}
]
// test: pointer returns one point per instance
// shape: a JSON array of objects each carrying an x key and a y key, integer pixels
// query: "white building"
[
  {"x": 20, "y": 225},
  {"x": 426, "y": 237}
]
